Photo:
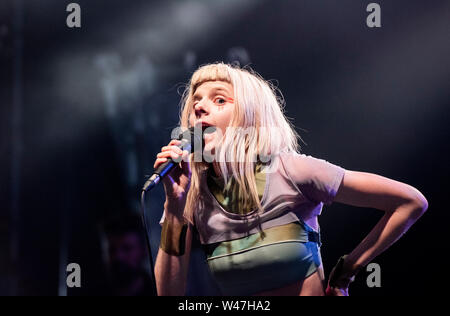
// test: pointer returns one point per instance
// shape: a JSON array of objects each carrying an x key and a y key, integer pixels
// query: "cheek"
[
  {"x": 225, "y": 119},
  {"x": 191, "y": 120}
]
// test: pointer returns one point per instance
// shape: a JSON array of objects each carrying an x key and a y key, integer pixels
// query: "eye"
[{"x": 220, "y": 100}]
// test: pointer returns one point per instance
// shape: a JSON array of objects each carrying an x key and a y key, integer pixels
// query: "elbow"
[
  {"x": 419, "y": 203},
  {"x": 412, "y": 203},
  {"x": 424, "y": 204}
]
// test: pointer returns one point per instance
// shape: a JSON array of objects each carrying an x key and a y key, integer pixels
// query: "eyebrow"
[{"x": 215, "y": 90}]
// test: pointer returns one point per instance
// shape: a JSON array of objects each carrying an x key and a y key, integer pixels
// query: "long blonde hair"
[{"x": 255, "y": 105}]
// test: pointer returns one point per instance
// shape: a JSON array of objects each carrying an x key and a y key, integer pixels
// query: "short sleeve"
[{"x": 317, "y": 179}]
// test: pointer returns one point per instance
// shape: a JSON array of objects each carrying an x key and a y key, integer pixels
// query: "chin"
[{"x": 209, "y": 148}]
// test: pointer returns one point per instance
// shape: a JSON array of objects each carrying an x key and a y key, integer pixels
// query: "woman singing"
[{"x": 255, "y": 201}]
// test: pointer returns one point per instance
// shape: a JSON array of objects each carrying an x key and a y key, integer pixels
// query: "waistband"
[{"x": 292, "y": 232}]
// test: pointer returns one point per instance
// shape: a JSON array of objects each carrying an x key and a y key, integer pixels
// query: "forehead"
[{"x": 208, "y": 86}]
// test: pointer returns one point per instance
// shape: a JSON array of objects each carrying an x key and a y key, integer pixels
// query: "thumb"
[{"x": 185, "y": 163}]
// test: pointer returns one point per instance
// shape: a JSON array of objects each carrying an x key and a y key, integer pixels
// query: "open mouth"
[{"x": 206, "y": 128}]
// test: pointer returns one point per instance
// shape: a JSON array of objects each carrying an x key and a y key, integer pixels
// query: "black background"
[{"x": 373, "y": 100}]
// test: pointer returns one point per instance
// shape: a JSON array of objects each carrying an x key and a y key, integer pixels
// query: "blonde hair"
[{"x": 255, "y": 105}]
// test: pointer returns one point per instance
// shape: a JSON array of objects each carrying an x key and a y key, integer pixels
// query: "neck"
[{"x": 217, "y": 171}]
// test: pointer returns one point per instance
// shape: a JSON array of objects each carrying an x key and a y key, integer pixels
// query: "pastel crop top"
[{"x": 296, "y": 187}]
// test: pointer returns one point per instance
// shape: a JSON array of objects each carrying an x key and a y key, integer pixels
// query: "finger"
[
  {"x": 164, "y": 154},
  {"x": 158, "y": 162},
  {"x": 185, "y": 165},
  {"x": 176, "y": 149},
  {"x": 175, "y": 157},
  {"x": 168, "y": 152},
  {"x": 185, "y": 155},
  {"x": 175, "y": 142},
  {"x": 168, "y": 146}
]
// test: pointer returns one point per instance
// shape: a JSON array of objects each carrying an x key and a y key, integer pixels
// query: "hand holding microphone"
[
  {"x": 172, "y": 154},
  {"x": 177, "y": 181}
]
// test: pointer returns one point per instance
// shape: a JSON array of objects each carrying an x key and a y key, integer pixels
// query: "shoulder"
[
  {"x": 298, "y": 161},
  {"x": 316, "y": 178},
  {"x": 303, "y": 167}
]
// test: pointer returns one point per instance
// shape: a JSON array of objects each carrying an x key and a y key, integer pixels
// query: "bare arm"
[
  {"x": 171, "y": 267},
  {"x": 171, "y": 271},
  {"x": 402, "y": 203}
]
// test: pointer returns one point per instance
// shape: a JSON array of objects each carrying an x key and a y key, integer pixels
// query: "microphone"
[{"x": 189, "y": 140}]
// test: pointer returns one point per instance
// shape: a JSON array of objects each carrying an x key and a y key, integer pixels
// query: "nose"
[{"x": 200, "y": 109}]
